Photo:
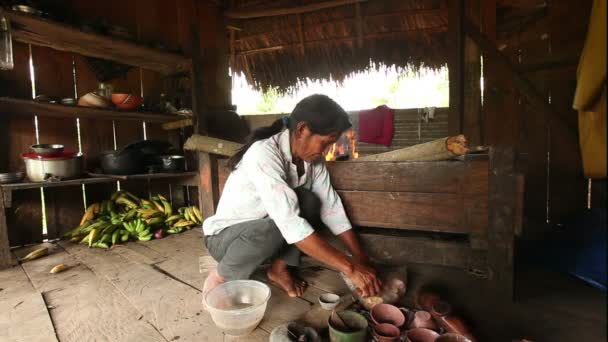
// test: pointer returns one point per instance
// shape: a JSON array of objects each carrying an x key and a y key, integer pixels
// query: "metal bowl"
[
  {"x": 26, "y": 9},
  {"x": 47, "y": 149}
]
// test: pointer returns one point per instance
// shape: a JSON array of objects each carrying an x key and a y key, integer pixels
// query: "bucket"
[{"x": 355, "y": 331}]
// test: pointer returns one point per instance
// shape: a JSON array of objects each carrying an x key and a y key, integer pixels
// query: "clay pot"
[
  {"x": 422, "y": 335},
  {"x": 386, "y": 313},
  {"x": 126, "y": 101},
  {"x": 386, "y": 332},
  {"x": 456, "y": 325},
  {"x": 423, "y": 319}
]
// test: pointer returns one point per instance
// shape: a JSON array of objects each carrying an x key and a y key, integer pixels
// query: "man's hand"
[{"x": 365, "y": 279}]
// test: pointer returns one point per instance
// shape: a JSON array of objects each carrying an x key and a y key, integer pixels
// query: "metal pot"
[
  {"x": 174, "y": 163},
  {"x": 66, "y": 165},
  {"x": 122, "y": 162}
]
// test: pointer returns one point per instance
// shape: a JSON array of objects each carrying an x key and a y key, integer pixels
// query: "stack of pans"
[{"x": 11, "y": 177}]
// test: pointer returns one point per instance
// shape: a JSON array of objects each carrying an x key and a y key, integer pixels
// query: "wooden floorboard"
[
  {"x": 182, "y": 253},
  {"x": 84, "y": 307},
  {"x": 171, "y": 306},
  {"x": 24, "y": 315}
]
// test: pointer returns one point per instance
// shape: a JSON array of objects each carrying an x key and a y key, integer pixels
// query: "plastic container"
[{"x": 238, "y": 306}]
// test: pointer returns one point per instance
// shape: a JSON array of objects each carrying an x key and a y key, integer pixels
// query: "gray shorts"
[{"x": 241, "y": 248}]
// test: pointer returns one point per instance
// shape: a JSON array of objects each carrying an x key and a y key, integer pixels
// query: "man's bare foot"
[
  {"x": 279, "y": 274},
  {"x": 213, "y": 280}
]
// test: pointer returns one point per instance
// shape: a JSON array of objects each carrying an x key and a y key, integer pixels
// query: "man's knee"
[{"x": 266, "y": 233}]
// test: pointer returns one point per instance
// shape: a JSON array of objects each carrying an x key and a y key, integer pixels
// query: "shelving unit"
[
  {"x": 39, "y": 31},
  {"x": 28, "y": 107},
  {"x": 7, "y": 189}
]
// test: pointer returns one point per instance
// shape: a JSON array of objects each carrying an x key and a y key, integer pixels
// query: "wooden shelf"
[
  {"x": 71, "y": 182},
  {"x": 6, "y": 190},
  {"x": 146, "y": 175},
  {"x": 13, "y": 106},
  {"x": 31, "y": 29}
]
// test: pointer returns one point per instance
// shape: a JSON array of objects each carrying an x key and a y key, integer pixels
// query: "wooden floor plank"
[
  {"x": 171, "y": 306},
  {"x": 178, "y": 249},
  {"x": 24, "y": 315},
  {"x": 83, "y": 306}
]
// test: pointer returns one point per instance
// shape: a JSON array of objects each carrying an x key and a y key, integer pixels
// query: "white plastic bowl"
[{"x": 238, "y": 306}]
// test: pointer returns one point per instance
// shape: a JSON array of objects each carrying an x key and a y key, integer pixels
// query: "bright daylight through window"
[{"x": 377, "y": 85}]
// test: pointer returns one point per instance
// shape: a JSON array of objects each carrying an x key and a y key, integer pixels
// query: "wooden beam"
[
  {"x": 271, "y": 12},
  {"x": 456, "y": 66},
  {"x": 525, "y": 87}
]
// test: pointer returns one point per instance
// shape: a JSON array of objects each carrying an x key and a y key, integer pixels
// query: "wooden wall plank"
[
  {"x": 449, "y": 213},
  {"x": 442, "y": 177}
]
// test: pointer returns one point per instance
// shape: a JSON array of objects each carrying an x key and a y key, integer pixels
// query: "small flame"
[
  {"x": 331, "y": 154},
  {"x": 341, "y": 147}
]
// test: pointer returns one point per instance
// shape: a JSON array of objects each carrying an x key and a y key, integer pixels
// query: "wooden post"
[
  {"x": 472, "y": 76},
  {"x": 456, "y": 66},
  {"x": 206, "y": 163},
  {"x": 505, "y": 197},
  {"x": 5, "y": 252}
]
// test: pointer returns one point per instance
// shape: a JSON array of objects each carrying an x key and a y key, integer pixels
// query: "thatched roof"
[
  {"x": 335, "y": 42},
  {"x": 278, "y": 50}
]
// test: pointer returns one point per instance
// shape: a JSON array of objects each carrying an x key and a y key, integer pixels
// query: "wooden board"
[
  {"x": 433, "y": 177},
  {"x": 400, "y": 250},
  {"x": 23, "y": 304},
  {"x": 171, "y": 306},
  {"x": 85, "y": 306},
  {"x": 449, "y": 213}
]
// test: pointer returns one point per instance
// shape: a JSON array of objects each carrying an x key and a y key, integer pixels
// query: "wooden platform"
[{"x": 151, "y": 291}]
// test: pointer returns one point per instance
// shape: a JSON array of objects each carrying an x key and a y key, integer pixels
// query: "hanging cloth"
[
  {"x": 377, "y": 126},
  {"x": 590, "y": 96}
]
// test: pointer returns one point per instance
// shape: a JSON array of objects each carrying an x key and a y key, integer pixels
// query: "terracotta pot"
[
  {"x": 386, "y": 332},
  {"x": 423, "y": 319},
  {"x": 456, "y": 325},
  {"x": 127, "y": 101},
  {"x": 386, "y": 313},
  {"x": 421, "y": 335}
]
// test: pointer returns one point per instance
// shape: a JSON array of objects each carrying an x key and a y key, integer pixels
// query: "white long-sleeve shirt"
[{"x": 262, "y": 185}]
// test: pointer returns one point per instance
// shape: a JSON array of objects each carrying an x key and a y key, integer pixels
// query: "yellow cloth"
[{"x": 590, "y": 96}]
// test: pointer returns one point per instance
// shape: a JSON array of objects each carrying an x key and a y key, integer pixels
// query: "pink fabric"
[{"x": 377, "y": 126}]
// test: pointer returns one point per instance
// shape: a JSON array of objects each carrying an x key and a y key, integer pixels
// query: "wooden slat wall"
[
  {"x": 554, "y": 187},
  {"x": 154, "y": 22}
]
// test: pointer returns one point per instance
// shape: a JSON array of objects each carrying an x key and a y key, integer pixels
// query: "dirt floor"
[{"x": 151, "y": 291}]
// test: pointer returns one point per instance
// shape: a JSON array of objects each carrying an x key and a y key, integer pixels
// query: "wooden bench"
[{"x": 461, "y": 213}]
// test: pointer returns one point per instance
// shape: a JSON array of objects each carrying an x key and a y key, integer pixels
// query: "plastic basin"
[{"x": 238, "y": 306}]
